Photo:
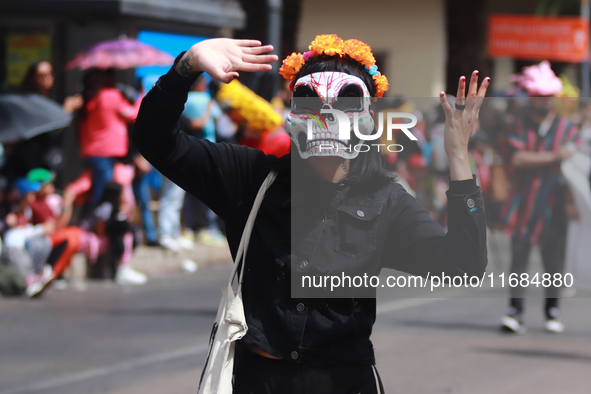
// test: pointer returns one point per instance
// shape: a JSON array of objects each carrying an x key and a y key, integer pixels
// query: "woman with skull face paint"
[{"x": 326, "y": 212}]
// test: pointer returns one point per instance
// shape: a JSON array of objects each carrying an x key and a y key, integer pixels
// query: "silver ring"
[{"x": 460, "y": 107}]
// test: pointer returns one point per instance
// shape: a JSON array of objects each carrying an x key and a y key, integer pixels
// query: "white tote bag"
[{"x": 230, "y": 322}]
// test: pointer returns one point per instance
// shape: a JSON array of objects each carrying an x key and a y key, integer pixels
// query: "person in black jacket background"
[{"x": 322, "y": 215}]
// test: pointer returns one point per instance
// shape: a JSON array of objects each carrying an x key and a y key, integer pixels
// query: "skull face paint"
[{"x": 318, "y": 92}]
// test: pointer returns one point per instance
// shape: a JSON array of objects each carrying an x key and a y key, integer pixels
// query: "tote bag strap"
[{"x": 243, "y": 246}]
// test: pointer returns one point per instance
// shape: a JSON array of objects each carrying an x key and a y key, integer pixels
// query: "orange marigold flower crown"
[{"x": 332, "y": 45}]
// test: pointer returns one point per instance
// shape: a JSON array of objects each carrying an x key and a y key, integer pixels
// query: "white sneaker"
[
  {"x": 128, "y": 276},
  {"x": 554, "y": 326},
  {"x": 170, "y": 243},
  {"x": 189, "y": 265},
  {"x": 511, "y": 325},
  {"x": 33, "y": 289},
  {"x": 553, "y": 323},
  {"x": 37, "y": 287},
  {"x": 512, "y": 322},
  {"x": 184, "y": 243}
]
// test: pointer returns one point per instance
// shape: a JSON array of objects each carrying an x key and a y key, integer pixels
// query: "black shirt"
[{"x": 338, "y": 225}]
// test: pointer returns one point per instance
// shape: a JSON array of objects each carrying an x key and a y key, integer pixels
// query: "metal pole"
[
  {"x": 585, "y": 66},
  {"x": 275, "y": 15}
]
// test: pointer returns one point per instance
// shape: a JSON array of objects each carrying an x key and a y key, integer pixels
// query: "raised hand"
[
  {"x": 460, "y": 123},
  {"x": 223, "y": 57}
]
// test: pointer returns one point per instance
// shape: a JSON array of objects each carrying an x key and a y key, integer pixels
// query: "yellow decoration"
[
  {"x": 329, "y": 44},
  {"x": 359, "y": 51},
  {"x": 257, "y": 112},
  {"x": 291, "y": 65},
  {"x": 567, "y": 100},
  {"x": 381, "y": 83}
]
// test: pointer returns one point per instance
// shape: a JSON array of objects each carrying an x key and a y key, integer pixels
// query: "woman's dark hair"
[
  {"x": 367, "y": 166},
  {"x": 338, "y": 64},
  {"x": 95, "y": 80},
  {"x": 29, "y": 83}
]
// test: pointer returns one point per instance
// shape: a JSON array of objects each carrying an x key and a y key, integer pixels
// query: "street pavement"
[{"x": 105, "y": 338}]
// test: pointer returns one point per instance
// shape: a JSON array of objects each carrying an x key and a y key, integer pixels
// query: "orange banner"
[{"x": 530, "y": 37}]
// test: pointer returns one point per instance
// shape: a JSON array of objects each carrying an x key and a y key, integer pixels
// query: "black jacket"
[{"x": 307, "y": 226}]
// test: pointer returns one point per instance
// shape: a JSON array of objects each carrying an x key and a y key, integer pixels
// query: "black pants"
[
  {"x": 553, "y": 247},
  {"x": 254, "y": 374},
  {"x": 552, "y": 259}
]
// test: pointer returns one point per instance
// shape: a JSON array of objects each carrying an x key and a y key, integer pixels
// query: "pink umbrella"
[{"x": 121, "y": 54}]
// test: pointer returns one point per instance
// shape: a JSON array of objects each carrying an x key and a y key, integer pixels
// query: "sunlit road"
[{"x": 152, "y": 339}]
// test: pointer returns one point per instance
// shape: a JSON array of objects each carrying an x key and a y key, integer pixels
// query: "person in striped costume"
[{"x": 536, "y": 142}]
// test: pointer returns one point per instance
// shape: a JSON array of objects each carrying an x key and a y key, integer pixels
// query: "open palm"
[
  {"x": 459, "y": 123},
  {"x": 222, "y": 58}
]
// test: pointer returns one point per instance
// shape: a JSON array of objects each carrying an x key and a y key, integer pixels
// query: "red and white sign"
[{"x": 531, "y": 37}]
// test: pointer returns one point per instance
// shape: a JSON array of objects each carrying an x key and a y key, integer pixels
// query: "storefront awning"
[
  {"x": 218, "y": 13},
  {"x": 215, "y": 13}
]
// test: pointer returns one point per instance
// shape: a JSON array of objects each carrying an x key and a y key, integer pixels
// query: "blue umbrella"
[{"x": 26, "y": 115}]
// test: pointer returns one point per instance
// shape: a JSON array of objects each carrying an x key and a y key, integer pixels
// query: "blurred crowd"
[
  {"x": 531, "y": 151},
  {"x": 119, "y": 201},
  {"x": 423, "y": 164}
]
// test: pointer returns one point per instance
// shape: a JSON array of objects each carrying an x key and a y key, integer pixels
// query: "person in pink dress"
[{"x": 103, "y": 127}]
